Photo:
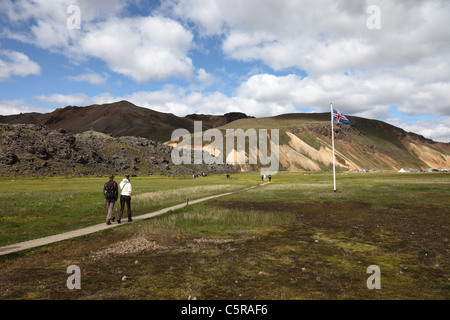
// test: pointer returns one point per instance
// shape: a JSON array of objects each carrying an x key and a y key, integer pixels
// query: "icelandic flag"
[{"x": 339, "y": 117}]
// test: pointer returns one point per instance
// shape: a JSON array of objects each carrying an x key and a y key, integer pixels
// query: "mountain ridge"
[
  {"x": 120, "y": 118},
  {"x": 304, "y": 141},
  {"x": 305, "y": 144}
]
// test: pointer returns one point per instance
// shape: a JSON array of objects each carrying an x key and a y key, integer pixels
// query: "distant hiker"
[
  {"x": 270, "y": 177},
  {"x": 262, "y": 177},
  {"x": 125, "y": 197},
  {"x": 111, "y": 192}
]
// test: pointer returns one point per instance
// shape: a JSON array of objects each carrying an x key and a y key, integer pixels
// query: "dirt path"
[{"x": 103, "y": 226}]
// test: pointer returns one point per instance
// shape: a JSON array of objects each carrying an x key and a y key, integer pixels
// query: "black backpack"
[{"x": 110, "y": 190}]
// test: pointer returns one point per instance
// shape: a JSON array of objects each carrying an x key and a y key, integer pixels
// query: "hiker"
[
  {"x": 270, "y": 177},
  {"x": 111, "y": 192},
  {"x": 125, "y": 197}
]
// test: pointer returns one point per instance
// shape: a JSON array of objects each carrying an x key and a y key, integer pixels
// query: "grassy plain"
[
  {"x": 33, "y": 208},
  {"x": 291, "y": 239}
]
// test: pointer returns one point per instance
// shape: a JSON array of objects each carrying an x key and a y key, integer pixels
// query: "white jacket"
[{"x": 125, "y": 187}]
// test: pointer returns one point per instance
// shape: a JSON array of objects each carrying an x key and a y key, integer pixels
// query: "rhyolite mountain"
[{"x": 305, "y": 144}]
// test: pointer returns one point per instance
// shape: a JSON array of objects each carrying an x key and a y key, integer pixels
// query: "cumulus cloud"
[
  {"x": 142, "y": 48},
  {"x": 321, "y": 36},
  {"x": 13, "y": 63},
  {"x": 307, "y": 54},
  {"x": 350, "y": 93},
  {"x": 40, "y": 22},
  {"x": 205, "y": 78},
  {"x": 404, "y": 63}
]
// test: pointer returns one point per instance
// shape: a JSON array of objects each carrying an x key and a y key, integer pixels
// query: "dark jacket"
[{"x": 110, "y": 190}]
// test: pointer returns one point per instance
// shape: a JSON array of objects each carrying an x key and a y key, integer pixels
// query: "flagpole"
[{"x": 332, "y": 141}]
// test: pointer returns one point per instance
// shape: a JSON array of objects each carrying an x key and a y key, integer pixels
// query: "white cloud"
[
  {"x": 433, "y": 98},
  {"x": 10, "y": 107},
  {"x": 142, "y": 48},
  {"x": 39, "y": 22},
  {"x": 352, "y": 94},
  {"x": 206, "y": 14},
  {"x": 269, "y": 95},
  {"x": 13, "y": 63},
  {"x": 205, "y": 78},
  {"x": 363, "y": 72},
  {"x": 76, "y": 99},
  {"x": 436, "y": 129},
  {"x": 90, "y": 77},
  {"x": 155, "y": 99},
  {"x": 321, "y": 36},
  {"x": 270, "y": 88},
  {"x": 181, "y": 102},
  {"x": 404, "y": 63}
]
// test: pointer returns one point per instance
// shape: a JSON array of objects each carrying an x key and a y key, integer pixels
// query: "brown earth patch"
[
  {"x": 403, "y": 227},
  {"x": 322, "y": 253},
  {"x": 129, "y": 246}
]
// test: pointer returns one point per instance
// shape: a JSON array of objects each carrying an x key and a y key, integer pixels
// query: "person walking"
[
  {"x": 111, "y": 192},
  {"x": 125, "y": 198}
]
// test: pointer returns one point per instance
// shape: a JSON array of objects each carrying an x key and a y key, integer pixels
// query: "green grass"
[
  {"x": 202, "y": 220},
  {"x": 33, "y": 208},
  {"x": 291, "y": 239}
]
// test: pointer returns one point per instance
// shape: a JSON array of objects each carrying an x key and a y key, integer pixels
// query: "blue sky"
[{"x": 380, "y": 59}]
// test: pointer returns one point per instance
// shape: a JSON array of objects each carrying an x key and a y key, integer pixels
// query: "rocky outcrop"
[{"x": 30, "y": 150}]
